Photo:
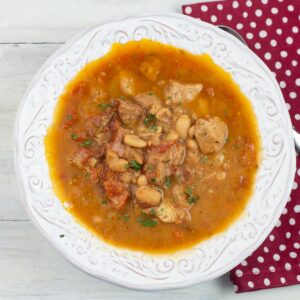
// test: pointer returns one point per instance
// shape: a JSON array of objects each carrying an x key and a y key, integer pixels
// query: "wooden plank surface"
[{"x": 29, "y": 267}]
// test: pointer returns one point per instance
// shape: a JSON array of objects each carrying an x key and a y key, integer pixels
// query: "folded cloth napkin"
[{"x": 271, "y": 29}]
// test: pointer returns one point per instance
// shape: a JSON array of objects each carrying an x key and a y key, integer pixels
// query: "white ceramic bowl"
[{"x": 208, "y": 259}]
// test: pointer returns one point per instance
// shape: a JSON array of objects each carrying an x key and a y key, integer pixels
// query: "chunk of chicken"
[
  {"x": 150, "y": 68},
  {"x": 129, "y": 112},
  {"x": 211, "y": 134},
  {"x": 80, "y": 157},
  {"x": 163, "y": 161},
  {"x": 167, "y": 212},
  {"x": 148, "y": 101},
  {"x": 178, "y": 92}
]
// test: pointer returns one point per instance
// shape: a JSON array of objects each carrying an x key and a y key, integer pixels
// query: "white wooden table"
[{"x": 29, "y": 267}]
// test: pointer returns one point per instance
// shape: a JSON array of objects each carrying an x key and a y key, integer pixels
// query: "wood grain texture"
[{"x": 30, "y": 268}]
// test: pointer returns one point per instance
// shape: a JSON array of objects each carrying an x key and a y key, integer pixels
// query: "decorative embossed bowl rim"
[{"x": 206, "y": 260}]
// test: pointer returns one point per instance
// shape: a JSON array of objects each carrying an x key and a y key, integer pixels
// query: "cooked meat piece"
[
  {"x": 211, "y": 134},
  {"x": 103, "y": 138},
  {"x": 179, "y": 92},
  {"x": 163, "y": 161},
  {"x": 150, "y": 67},
  {"x": 148, "y": 196},
  {"x": 80, "y": 157},
  {"x": 179, "y": 196},
  {"x": 117, "y": 144},
  {"x": 127, "y": 84},
  {"x": 129, "y": 112},
  {"x": 98, "y": 123},
  {"x": 134, "y": 154},
  {"x": 164, "y": 115},
  {"x": 116, "y": 192},
  {"x": 167, "y": 212},
  {"x": 147, "y": 101}
]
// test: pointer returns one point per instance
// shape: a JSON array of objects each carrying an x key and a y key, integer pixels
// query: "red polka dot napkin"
[{"x": 271, "y": 29}]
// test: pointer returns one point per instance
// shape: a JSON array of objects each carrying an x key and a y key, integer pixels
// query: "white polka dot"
[
  {"x": 188, "y": 10},
  {"x": 282, "y": 84},
  {"x": 295, "y": 29},
  {"x": 258, "y": 12},
  {"x": 278, "y": 224},
  {"x": 293, "y": 95},
  {"x": 284, "y": 19},
  {"x": 229, "y": 17},
  {"x": 249, "y": 36},
  {"x": 244, "y": 263},
  {"x": 269, "y": 22},
  {"x": 204, "y": 8},
  {"x": 279, "y": 31},
  {"x": 264, "y": 1},
  {"x": 263, "y": 34},
  {"x": 282, "y": 280},
  {"x": 288, "y": 266},
  {"x": 294, "y": 63},
  {"x": 235, "y": 4},
  {"x": 289, "y": 40},
  {"x": 251, "y": 284},
  {"x": 288, "y": 72},
  {"x": 239, "y": 273},
  {"x": 276, "y": 257},
  {"x": 278, "y": 65},
  {"x": 274, "y": 10},
  {"x": 298, "y": 50},
  {"x": 297, "y": 117},
  {"x": 292, "y": 221},
  {"x": 260, "y": 259},
  {"x": 268, "y": 55},
  {"x": 295, "y": 184},
  {"x": 213, "y": 18},
  {"x": 245, "y": 14},
  {"x": 272, "y": 237},
  {"x": 257, "y": 45},
  {"x": 293, "y": 254},
  {"x": 272, "y": 269},
  {"x": 282, "y": 247},
  {"x": 297, "y": 207},
  {"x": 298, "y": 277},
  {"x": 255, "y": 271},
  {"x": 283, "y": 54},
  {"x": 253, "y": 24},
  {"x": 288, "y": 106},
  {"x": 273, "y": 43},
  {"x": 249, "y": 3},
  {"x": 235, "y": 288},
  {"x": 296, "y": 245},
  {"x": 239, "y": 26},
  {"x": 290, "y": 8},
  {"x": 266, "y": 249},
  {"x": 219, "y": 6},
  {"x": 297, "y": 82},
  {"x": 288, "y": 235},
  {"x": 266, "y": 282}
]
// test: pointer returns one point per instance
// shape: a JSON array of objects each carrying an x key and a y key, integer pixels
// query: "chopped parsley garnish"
[
  {"x": 62, "y": 235},
  {"x": 152, "y": 212},
  {"x": 134, "y": 165},
  {"x": 150, "y": 93},
  {"x": 150, "y": 119},
  {"x": 69, "y": 117},
  {"x": 146, "y": 222},
  {"x": 104, "y": 202},
  {"x": 104, "y": 106},
  {"x": 153, "y": 179},
  {"x": 167, "y": 182},
  {"x": 190, "y": 197},
  {"x": 87, "y": 143},
  {"x": 125, "y": 218},
  {"x": 74, "y": 136},
  {"x": 122, "y": 97},
  {"x": 153, "y": 127},
  {"x": 203, "y": 159}
]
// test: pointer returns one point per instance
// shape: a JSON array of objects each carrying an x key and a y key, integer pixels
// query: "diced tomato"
[
  {"x": 116, "y": 193},
  {"x": 165, "y": 146},
  {"x": 80, "y": 157}
]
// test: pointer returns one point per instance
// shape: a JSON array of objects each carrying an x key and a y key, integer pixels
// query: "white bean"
[
  {"x": 134, "y": 141},
  {"x": 192, "y": 131},
  {"x": 142, "y": 180},
  {"x": 182, "y": 126},
  {"x": 148, "y": 196},
  {"x": 172, "y": 135}
]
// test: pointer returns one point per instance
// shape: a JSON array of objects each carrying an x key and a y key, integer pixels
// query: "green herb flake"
[
  {"x": 203, "y": 159},
  {"x": 153, "y": 127},
  {"x": 122, "y": 98},
  {"x": 146, "y": 222},
  {"x": 87, "y": 143},
  {"x": 153, "y": 180},
  {"x": 152, "y": 212},
  {"x": 61, "y": 235},
  {"x": 150, "y": 119},
  {"x": 167, "y": 182},
  {"x": 104, "y": 202},
  {"x": 125, "y": 218},
  {"x": 134, "y": 165},
  {"x": 150, "y": 93},
  {"x": 74, "y": 136},
  {"x": 69, "y": 117},
  {"x": 104, "y": 106},
  {"x": 191, "y": 199}
]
